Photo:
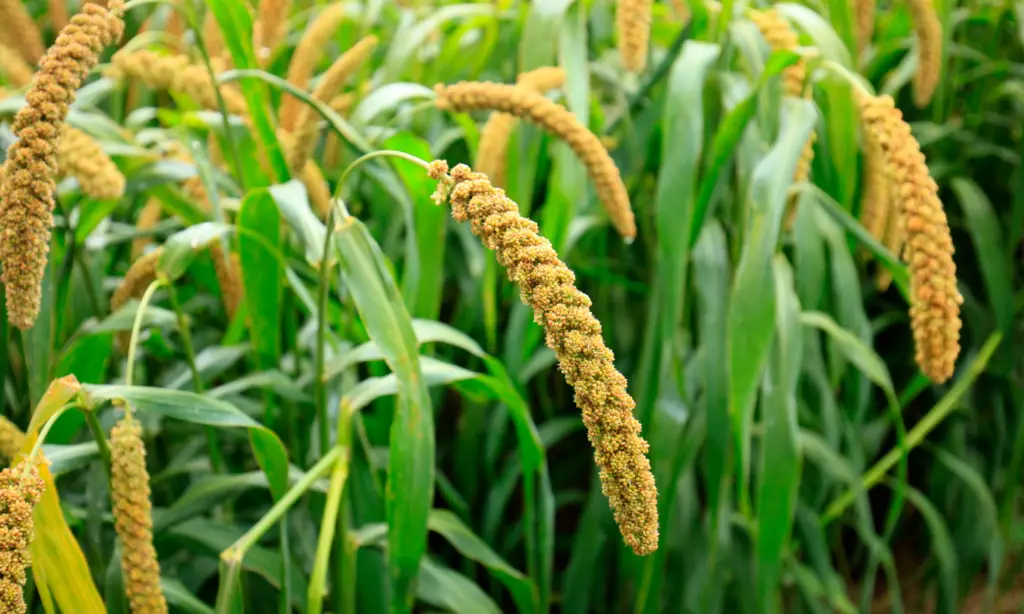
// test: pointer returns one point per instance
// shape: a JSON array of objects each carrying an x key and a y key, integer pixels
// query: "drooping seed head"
[
  {"x": 82, "y": 158},
  {"x": 928, "y": 29},
  {"x": 308, "y": 52},
  {"x": 571, "y": 330},
  {"x": 26, "y": 197},
  {"x": 18, "y": 27},
  {"x": 633, "y": 23},
  {"x": 15, "y": 69},
  {"x": 538, "y": 110},
  {"x": 934, "y": 298},
  {"x": 329, "y": 86},
  {"x": 11, "y": 439},
  {"x": 175, "y": 73},
  {"x": 133, "y": 517},
  {"x": 21, "y": 487},
  {"x": 492, "y": 153}
]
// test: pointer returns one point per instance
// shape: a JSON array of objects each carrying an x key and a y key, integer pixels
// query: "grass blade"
[
  {"x": 410, "y": 486},
  {"x": 752, "y": 305},
  {"x": 779, "y": 477}
]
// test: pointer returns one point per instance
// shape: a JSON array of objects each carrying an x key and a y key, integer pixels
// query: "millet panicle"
[{"x": 571, "y": 330}]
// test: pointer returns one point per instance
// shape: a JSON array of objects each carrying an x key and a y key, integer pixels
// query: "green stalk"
[
  {"x": 137, "y": 326},
  {"x": 322, "y": 559},
  {"x": 216, "y": 461},
  {"x": 946, "y": 405},
  {"x": 323, "y": 288},
  {"x": 231, "y": 558}
]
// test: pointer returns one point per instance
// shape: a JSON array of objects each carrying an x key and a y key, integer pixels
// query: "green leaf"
[
  {"x": 474, "y": 548},
  {"x": 711, "y": 271},
  {"x": 423, "y": 275},
  {"x": 683, "y": 126},
  {"x": 262, "y": 274},
  {"x": 987, "y": 236},
  {"x": 443, "y": 587},
  {"x": 781, "y": 459},
  {"x": 751, "y": 319},
  {"x": 856, "y": 351},
  {"x": 235, "y": 21},
  {"x": 410, "y": 487},
  {"x": 270, "y": 453},
  {"x": 942, "y": 547},
  {"x": 293, "y": 202}
]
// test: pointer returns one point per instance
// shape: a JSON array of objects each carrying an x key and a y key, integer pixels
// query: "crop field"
[{"x": 572, "y": 306}]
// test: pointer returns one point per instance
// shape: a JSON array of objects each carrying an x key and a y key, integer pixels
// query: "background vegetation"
[{"x": 289, "y": 399}]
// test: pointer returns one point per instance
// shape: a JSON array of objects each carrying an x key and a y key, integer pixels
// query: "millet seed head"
[
  {"x": 18, "y": 27},
  {"x": 82, "y": 157},
  {"x": 26, "y": 196},
  {"x": 571, "y": 330},
  {"x": 133, "y": 520},
  {"x": 539, "y": 110},
  {"x": 21, "y": 488},
  {"x": 928, "y": 29},
  {"x": 308, "y": 52},
  {"x": 11, "y": 439},
  {"x": 492, "y": 154},
  {"x": 934, "y": 298},
  {"x": 15, "y": 69},
  {"x": 327, "y": 88},
  {"x": 633, "y": 25},
  {"x": 175, "y": 73}
]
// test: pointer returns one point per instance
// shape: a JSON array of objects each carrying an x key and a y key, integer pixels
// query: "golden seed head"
[
  {"x": 18, "y": 27},
  {"x": 229, "y": 276},
  {"x": 270, "y": 27},
  {"x": 21, "y": 487},
  {"x": 876, "y": 191},
  {"x": 175, "y": 73},
  {"x": 492, "y": 154},
  {"x": 140, "y": 274},
  {"x": 928, "y": 29},
  {"x": 781, "y": 37},
  {"x": 537, "y": 109},
  {"x": 329, "y": 86},
  {"x": 82, "y": 157},
  {"x": 934, "y": 298},
  {"x": 148, "y": 218},
  {"x": 133, "y": 517},
  {"x": 317, "y": 190},
  {"x": 633, "y": 24},
  {"x": 571, "y": 330},
  {"x": 11, "y": 439},
  {"x": 308, "y": 52},
  {"x": 14, "y": 67},
  {"x": 26, "y": 197},
  {"x": 864, "y": 14}
]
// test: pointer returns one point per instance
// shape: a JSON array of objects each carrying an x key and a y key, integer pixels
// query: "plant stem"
[
  {"x": 101, "y": 439},
  {"x": 946, "y": 405},
  {"x": 137, "y": 326},
  {"x": 319, "y": 385},
  {"x": 237, "y": 550},
  {"x": 216, "y": 461}
]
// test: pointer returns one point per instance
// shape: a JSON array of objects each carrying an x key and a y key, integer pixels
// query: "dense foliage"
[{"x": 280, "y": 367}]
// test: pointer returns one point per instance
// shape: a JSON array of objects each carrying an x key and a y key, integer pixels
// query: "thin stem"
[
  {"x": 237, "y": 550},
  {"x": 216, "y": 462},
  {"x": 43, "y": 432},
  {"x": 319, "y": 385},
  {"x": 946, "y": 405},
  {"x": 377, "y": 154},
  {"x": 136, "y": 327},
  {"x": 197, "y": 30},
  {"x": 96, "y": 429}
]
